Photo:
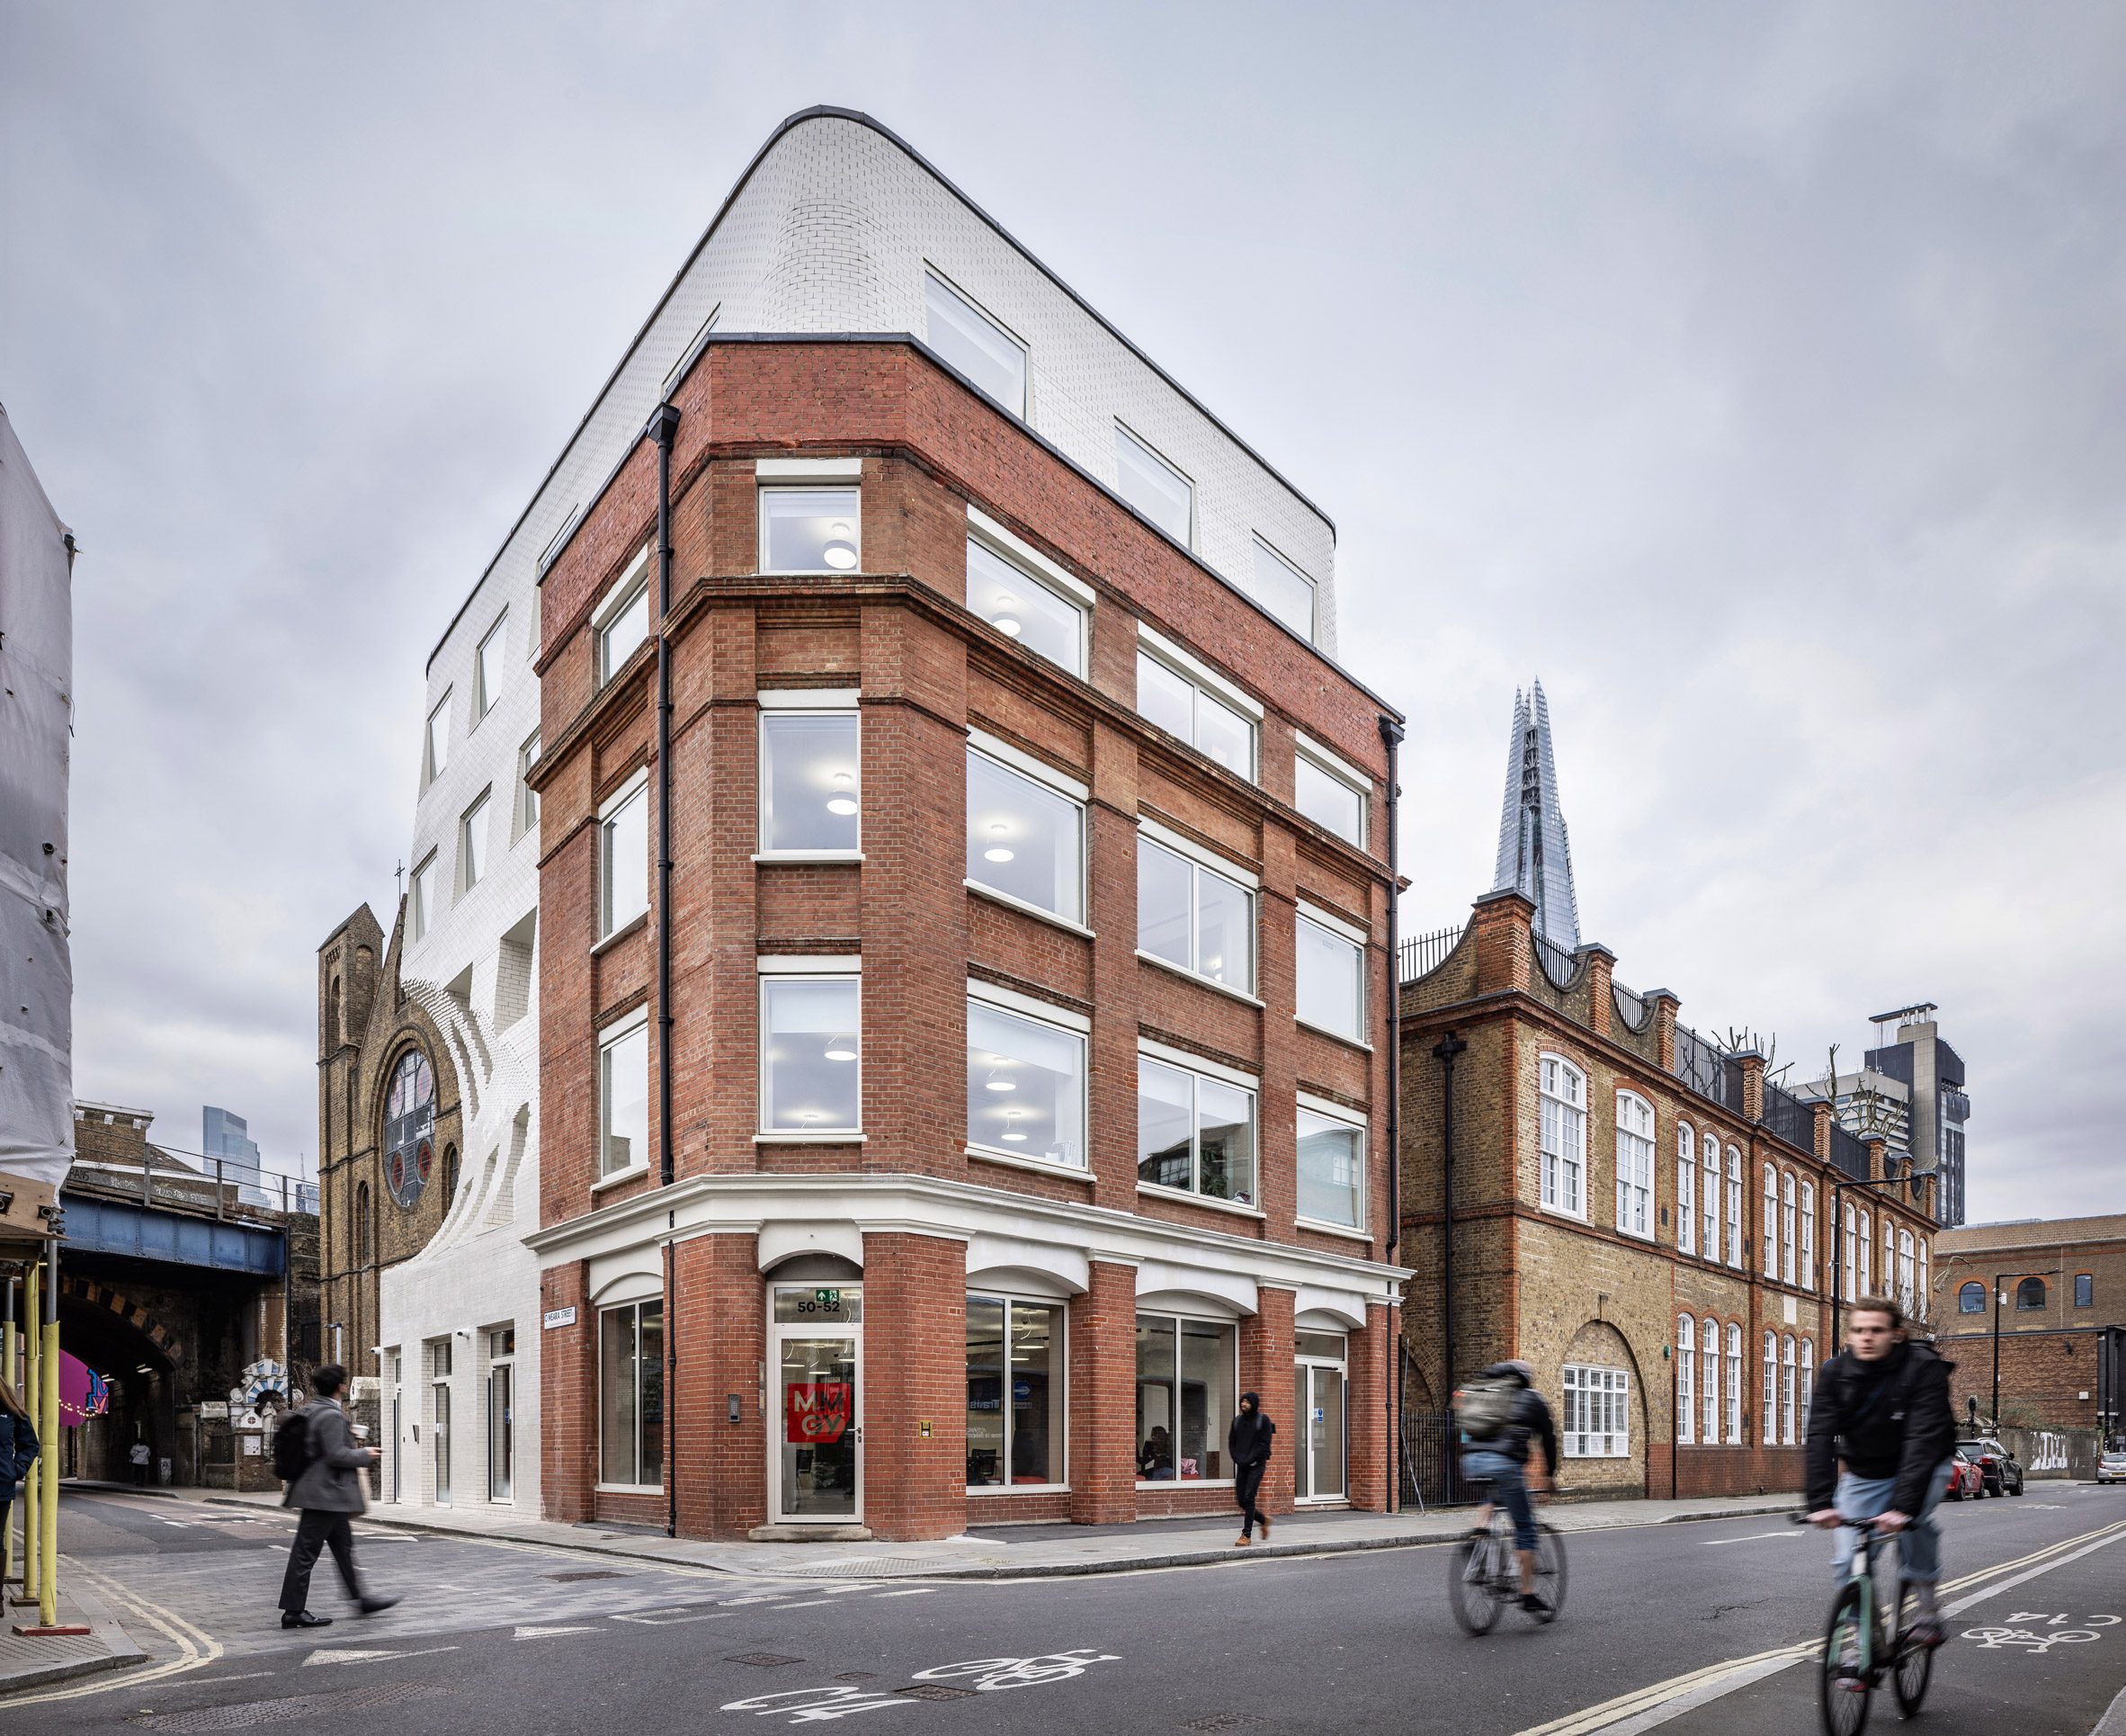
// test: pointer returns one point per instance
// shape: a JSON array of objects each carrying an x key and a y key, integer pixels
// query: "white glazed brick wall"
[{"x": 831, "y": 234}]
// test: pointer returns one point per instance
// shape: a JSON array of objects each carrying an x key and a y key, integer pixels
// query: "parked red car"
[{"x": 1965, "y": 1477}]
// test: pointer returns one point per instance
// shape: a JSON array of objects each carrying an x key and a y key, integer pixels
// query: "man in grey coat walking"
[{"x": 330, "y": 1492}]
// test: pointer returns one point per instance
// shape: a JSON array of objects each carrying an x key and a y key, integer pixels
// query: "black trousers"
[
  {"x": 1246, "y": 1486},
  {"x": 317, "y": 1532}
]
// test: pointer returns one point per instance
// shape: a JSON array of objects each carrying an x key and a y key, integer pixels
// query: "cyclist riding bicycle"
[
  {"x": 1496, "y": 1413},
  {"x": 1880, "y": 1439}
]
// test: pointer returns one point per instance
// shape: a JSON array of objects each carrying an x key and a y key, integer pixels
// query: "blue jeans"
[
  {"x": 1919, "y": 1543},
  {"x": 1509, "y": 1484}
]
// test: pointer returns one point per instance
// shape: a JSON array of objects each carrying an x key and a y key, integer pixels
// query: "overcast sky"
[{"x": 1757, "y": 376}]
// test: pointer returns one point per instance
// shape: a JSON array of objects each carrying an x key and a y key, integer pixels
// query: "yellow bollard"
[{"x": 32, "y": 1491}]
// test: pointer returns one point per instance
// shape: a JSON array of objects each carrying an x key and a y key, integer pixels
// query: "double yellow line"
[
  {"x": 1646, "y": 1699},
  {"x": 196, "y": 1648}
]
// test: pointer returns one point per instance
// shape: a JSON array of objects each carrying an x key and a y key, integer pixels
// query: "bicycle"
[
  {"x": 1484, "y": 1573},
  {"x": 1861, "y": 1645}
]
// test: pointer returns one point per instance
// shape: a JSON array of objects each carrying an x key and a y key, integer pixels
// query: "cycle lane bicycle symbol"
[
  {"x": 2036, "y": 1641},
  {"x": 807, "y": 1705}
]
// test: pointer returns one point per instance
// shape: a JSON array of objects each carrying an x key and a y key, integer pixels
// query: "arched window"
[
  {"x": 1686, "y": 1189},
  {"x": 1711, "y": 1375},
  {"x": 1808, "y": 1235},
  {"x": 1564, "y": 1094},
  {"x": 361, "y": 1224},
  {"x": 1635, "y": 1165},
  {"x": 1926, "y": 1297},
  {"x": 1708, "y": 1155},
  {"x": 1770, "y": 1418},
  {"x": 1686, "y": 1367},
  {"x": 1786, "y": 1389},
  {"x": 1905, "y": 1271},
  {"x": 410, "y": 1128},
  {"x": 1890, "y": 1257},
  {"x": 1787, "y": 1221},
  {"x": 1735, "y": 1385},
  {"x": 1866, "y": 1282},
  {"x": 2030, "y": 1293},
  {"x": 450, "y": 1176},
  {"x": 1807, "y": 1381},
  {"x": 1971, "y": 1299},
  {"x": 1852, "y": 1282},
  {"x": 332, "y": 1016},
  {"x": 1734, "y": 1207},
  {"x": 1768, "y": 1231}
]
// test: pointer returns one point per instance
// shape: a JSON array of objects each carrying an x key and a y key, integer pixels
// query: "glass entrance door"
[
  {"x": 817, "y": 1346},
  {"x": 1317, "y": 1408},
  {"x": 501, "y": 1431}
]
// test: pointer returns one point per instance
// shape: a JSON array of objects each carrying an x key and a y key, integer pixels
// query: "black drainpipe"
[
  {"x": 1446, "y": 1049},
  {"x": 1391, "y": 733},
  {"x": 662, "y": 427}
]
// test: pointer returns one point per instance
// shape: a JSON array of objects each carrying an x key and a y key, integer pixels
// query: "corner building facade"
[{"x": 1026, "y": 1036}]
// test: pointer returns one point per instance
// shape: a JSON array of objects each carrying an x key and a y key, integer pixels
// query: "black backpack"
[
  {"x": 1484, "y": 1408},
  {"x": 292, "y": 1449}
]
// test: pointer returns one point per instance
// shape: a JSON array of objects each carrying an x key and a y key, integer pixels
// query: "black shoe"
[
  {"x": 303, "y": 1618},
  {"x": 1533, "y": 1605},
  {"x": 371, "y": 1605}
]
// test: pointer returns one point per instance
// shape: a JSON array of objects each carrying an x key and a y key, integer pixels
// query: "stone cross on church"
[{"x": 1534, "y": 853}]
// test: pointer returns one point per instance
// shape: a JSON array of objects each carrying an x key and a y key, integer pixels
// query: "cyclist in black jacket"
[
  {"x": 1501, "y": 1461},
  {"x": 1880, "y": 1436}
]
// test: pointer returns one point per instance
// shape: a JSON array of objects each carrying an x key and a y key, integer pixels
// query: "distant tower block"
[{"x": 1534, "y": 853}]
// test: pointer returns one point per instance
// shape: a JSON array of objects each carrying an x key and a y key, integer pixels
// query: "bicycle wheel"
[
  {"x": 1842, "y": 1685},
  {"x": 1549, "y": 1571},
  {"x": 1915, "y": 1663},
  {"x": 1471, "y": 1582}
]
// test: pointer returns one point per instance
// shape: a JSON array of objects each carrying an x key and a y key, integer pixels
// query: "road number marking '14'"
[{"x": 810, "y": 1706}]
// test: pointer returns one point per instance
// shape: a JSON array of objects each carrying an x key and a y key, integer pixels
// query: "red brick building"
[
  {"x": 1639, "y": 1213},
  {"x": 998, "y": 1085}
]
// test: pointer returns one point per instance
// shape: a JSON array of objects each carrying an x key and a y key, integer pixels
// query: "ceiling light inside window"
[
  {"x": 995, "y": 1083},
  {"x": 840, "y": 552},
  {"x": 999, "y": 852},
  {"x": 841, "y": 1047},
  {"x": 844, "y": 800},
  {"x": 1006, "y": 620}
]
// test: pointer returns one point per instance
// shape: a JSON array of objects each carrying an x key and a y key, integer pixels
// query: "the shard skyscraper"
[{"x": 1534, "y": 853}]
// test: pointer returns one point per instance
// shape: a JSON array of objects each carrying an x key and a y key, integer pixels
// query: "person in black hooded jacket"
[
  {"x": 1247, "y": 1441},
  {"x": 1881, "y": 1434}
]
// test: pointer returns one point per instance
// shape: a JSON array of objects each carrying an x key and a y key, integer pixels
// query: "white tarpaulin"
[{"x": 36, "y": 736}]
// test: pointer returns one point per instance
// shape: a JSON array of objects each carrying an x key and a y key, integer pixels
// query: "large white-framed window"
[
  {"x": 811, "y": 530},
  {"x": 1195, "y": 1127},
  {"x": 472, "y": 843},
  {"x": 1330, "y": 791},
  {"x": 632, "y": 1396},
  {"x": 1597, "y": 1412},
  {"x": 436, "y": 745},
  {"x": 1712, "y": 1371},
  {"x": 1734, "y": 1207},
  {"x": 1852, "y": 1245},
  {"x": 1807, "y": 1235},
  {"x": 1905, "y": 1269},
  {"x": 1187, "y": 698},
  {"x": 1332, "y": 1164},
  {"x": 1769, "y": 1229},
  {"x": 810, "y": 775},
  {"x": 1161, "y": 491},
  {"x": 1016, "y": 1375},
  {"x": 1194, "y": 911},
  {"x": 1786, "y": 1388},
  {"x": 1686, "y": 1189},
  {"x": 1867, "y": 1282},
  {"x": 1924, "y": 1295},
  {"x": 623, "y": 1095},
  {"x": 490, "y": 667},
  {"x": 527, "y": 803},
  {"x": 623, "y": 856},
  {"x": 1889, "y": 1256},
  {"x": 1286, "y": 592},
  {"x": 1709, "y": 1194},
  {"x": 1187, "y": 1390},
  {"x": 1635, "y": 1165},
  {"x": 1805, "y": 1384},
  {"x": 811, "y": 1048},
  {"x": 1563, "y": 1093},
  {"x": 1329, "y": 974},
  {"x": 1789, "y": 1225},
  {"x": 1686, "y": 1384},
  {"x": 1026, "y": 831},
  {"x": 621, "y": 622},
  {"x": 421, "y": 897},
  {"x": 1026, "y": 595},
  {"x": 975, "y": 342},
  {"x": 1769, "y": 1431},
  {"x": 1025, "y": 1078},
  {"x": 1735, "y": 1384}
]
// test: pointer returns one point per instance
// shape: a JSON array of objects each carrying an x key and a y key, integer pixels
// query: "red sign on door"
[{"x": 816, "y": 1412}]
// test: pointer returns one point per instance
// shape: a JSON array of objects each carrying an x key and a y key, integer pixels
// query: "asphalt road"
[{"x": 1660, "y": 1628}]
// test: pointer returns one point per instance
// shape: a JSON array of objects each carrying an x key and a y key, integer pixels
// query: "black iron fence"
[
  {"x": 1557, "y": 964},
  {"x": 1849, "y": 1152},
  {"x": 1432, "y": 1464},
  {"x": 1708, "y": 1070},
  {"x": 1631, "y": 1008},
  {"x": 1788, "y": 1118},
  {"x": 1421, "y": 954}
]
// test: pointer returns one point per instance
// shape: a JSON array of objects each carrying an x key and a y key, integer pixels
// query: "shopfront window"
[
  {"x": 1014, "y": 1393},
  {"x": 1186, "y": 1373},
  {"x": 632, "y": 1396}
]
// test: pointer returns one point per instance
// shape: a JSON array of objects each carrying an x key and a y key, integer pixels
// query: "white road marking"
[
  {"x": 1755, "y": 1536},
  {"x": 369, "y": 1657},
  {"x": 2113, "y": 1722},
  {"x": 810, "y": 1603},
  {"x": 549, "y": 1632},
  {"x": 1962, "y": 1604},
  {"x": 913, "y": 1592},
  {"x": 671, "y": 1617}
]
